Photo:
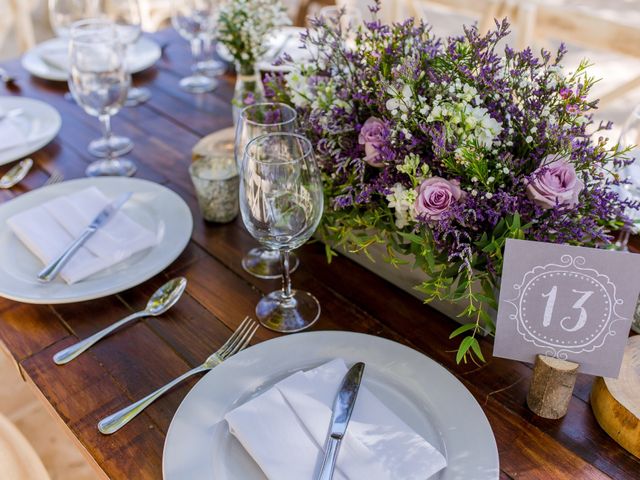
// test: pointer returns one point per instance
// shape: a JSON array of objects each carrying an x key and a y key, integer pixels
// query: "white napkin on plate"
[
  {"x": 284, "y": 430},
  {"x": 47, "y": 230},
  {"x": 56, "y": 58},
  {"x": 10, "y": 135}
]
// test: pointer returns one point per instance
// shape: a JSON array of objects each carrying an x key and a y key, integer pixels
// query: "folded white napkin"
[
  {"x": 284, "y": 430},
  {"x": 48, "y": 229},
  {"x": 56, "y": 57},
  {"x": 10, "y": 135}
]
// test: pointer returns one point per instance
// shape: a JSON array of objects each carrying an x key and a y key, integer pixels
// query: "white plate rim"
[
  {"x": 31, "y": 58},
  {"x": 170, "y": 252},
  {"x": 314, "y": 342},
  {"x": 34, "y": 146}
]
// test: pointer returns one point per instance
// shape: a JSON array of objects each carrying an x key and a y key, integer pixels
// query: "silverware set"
[{"x": 162, "y": 300}]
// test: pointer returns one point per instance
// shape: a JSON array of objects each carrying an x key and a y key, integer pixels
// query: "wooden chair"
[
  {"x": 20, "y": 11},
  {"x": 540, "y": 22},
  {"x": 18, "y": 459}
]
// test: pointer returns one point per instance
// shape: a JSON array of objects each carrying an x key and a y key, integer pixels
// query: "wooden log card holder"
[{"x": 551, "y": 386}]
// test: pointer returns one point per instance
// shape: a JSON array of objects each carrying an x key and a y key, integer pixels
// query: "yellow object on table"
[{"x": 616, "y": 401}]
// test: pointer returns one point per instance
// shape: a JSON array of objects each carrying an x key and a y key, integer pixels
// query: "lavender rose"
[
  {"x": 435, "y": 196},
  {"x": 555, "y": 183},
  {"x": 372, "y": 136}
]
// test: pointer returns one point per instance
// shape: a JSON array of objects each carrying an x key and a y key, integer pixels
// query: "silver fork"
[
  {"x": 239, "y": 340},
  {"x": 56, "y": 177}
]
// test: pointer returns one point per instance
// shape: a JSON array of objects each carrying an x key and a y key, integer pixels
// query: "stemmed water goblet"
[
  {"x": 630, "y": 138},
  {"x": 256, "y": 120},
  {"x": 128, "y": 20},
  {"x": 63, "y": 13},
  {"x": 343, "y": 19},
  {"x": 196, "y": 21},
  {"x": 99, "y": 81},
  {"x": 281, "y": 201}
]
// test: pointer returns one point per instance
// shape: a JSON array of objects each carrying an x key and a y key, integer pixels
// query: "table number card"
[{"x": 572, "y": 303}]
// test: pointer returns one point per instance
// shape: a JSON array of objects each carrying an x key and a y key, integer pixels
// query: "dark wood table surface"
[{"x": 131, "y": 363}]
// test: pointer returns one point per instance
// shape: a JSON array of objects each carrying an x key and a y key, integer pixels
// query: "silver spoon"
[
  {"x": 16, "y": 173},
  {"x": 162, "y": 300}
]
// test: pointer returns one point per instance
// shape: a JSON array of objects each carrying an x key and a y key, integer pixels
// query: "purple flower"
[
  {"x": 555, "y": 183},
  {"x": 372, "y": 137},
  {"x": 436, "y": 196}
]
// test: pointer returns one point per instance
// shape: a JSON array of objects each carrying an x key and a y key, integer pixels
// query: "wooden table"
[{"x": 129, "y": 364}]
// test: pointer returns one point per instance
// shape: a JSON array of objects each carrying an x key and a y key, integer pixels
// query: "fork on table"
[
  {"x": 236, "y": 342},
  {"x": 56, "y": 177}
]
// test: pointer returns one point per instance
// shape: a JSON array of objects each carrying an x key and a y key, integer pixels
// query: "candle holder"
[{"x": 215, "y": 178}]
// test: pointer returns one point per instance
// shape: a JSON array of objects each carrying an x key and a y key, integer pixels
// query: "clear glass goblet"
[
  {"x": 281, "y": 201},
  {"x": 128, "y": 19},
  {"x": 255, "y": 120},
  {"x": 99, "y": 82},
  {"x": 630, "y": 138},
  {"x": 63, "y": 13},
  {"x": 196, "y": 21}
]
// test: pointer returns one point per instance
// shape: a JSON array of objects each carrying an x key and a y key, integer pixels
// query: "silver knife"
[
  {"x": 342, "y": 409},
  {"x": 51, "y": 271}
]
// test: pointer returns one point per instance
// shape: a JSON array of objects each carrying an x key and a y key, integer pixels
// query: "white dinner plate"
[
  {"x": 421, "y": 392},
  {"x": 153, "y": 206},
  {"x": 143, "y": 54},
  {"x": 39, "y": 122}
]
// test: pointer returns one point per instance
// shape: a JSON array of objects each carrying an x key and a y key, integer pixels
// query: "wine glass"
[
  {"x": 281, "y": 201},
  {"x": 98, "y": 82},
  {"x": 255, "y": 120},
  {"x": 344, "y": 19},
  {"x": 196, "y": 20},
  {"x": 630, "y": 138},
  {"x": 208, "y": 65},
  {"x": 128, "y": 19},
  {"x": 63, "y": 13}
]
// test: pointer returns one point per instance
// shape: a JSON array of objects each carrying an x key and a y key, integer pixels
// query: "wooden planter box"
[{"x": 406, "y": 278}]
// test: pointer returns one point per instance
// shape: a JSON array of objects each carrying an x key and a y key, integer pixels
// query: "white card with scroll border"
[{"x": 572, "y": 303}]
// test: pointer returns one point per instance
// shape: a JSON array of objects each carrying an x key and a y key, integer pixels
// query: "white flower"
[{"x": 402, "y": 200}]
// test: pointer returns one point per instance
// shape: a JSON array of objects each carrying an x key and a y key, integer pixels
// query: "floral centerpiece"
[
  {"x": 243, "y": 29},
  {"x": 443, "y": 149}
]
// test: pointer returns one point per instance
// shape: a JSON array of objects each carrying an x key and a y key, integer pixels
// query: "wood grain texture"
[{"x": 144, "y": 356}]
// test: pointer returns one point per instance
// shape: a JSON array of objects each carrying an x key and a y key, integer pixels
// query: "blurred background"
[{"x": 605, "y": 31}]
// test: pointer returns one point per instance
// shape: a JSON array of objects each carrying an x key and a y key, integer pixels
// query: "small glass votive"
[{"x": 215, "y": 178}]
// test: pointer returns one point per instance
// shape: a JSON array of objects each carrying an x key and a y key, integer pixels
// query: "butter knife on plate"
[
  {"x": 50, "y": 272},
  {"x": 342, "y": 409}
]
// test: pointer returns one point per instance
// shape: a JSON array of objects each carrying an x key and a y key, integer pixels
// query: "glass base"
[
  {"x": 136, "y": 96},
  {"x": 265, "y": 263},
  {"x": 210, "y": 68},
  {"x": 112, "y": 147},
  {"x": 288, "y": 315},
  {"x": 198, "y": 84},
  {"x": 111, "y": 168}
]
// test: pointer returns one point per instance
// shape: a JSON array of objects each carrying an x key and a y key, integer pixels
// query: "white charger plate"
[
  {"x": 420, "y": 391},
  {"x": 151, "y": 205},
  {"x": 40, "y": 124},
  {"x": 143, "y": 54}
]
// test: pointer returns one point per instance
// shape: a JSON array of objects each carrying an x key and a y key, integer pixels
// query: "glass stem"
[
  {"x": 196, "y": 53},
  {"x": 105, "y": 122},
  {"x": 286, "y": 274},
  {"x": 623, "y": 241}
]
